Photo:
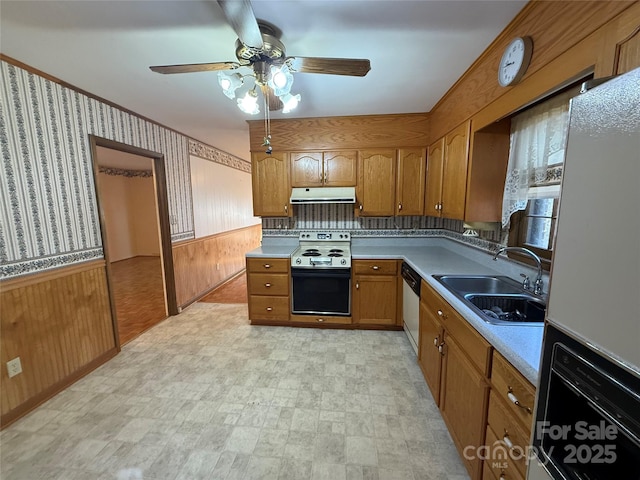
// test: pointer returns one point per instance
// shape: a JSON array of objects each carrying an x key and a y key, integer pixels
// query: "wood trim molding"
[
  {"x": 183, "y": 243},
  {"x": 18, "y": 412},
  {"x": 48, "y": 275}
]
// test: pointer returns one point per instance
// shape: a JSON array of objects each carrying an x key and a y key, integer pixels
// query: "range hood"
[{"x": 323, "y": 195}]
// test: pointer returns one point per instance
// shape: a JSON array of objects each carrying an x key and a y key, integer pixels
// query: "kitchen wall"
[
  {"x": 128, "y": 203},
  {"x": 221, "y": 197}
]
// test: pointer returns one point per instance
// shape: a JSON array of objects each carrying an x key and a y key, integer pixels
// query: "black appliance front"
[
  {"x": 321, "y": 291},
  {"x": 588, "y": 415}
]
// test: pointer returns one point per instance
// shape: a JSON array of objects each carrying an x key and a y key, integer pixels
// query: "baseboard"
[{"x": 215, "y": 287}]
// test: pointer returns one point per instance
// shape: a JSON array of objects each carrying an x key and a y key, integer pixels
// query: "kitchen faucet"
[{"x": 537, "y": 286}]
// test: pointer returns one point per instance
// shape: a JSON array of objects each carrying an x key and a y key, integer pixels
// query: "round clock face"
[{"x": 514, "y": 61}]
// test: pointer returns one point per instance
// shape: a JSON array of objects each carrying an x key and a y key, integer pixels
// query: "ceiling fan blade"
[
  {"x": 274, "y": 102},
  {"x": 195, "y": 67},
  {"x": 355, "y": 67},
  {"x": 240, "y": 16}
]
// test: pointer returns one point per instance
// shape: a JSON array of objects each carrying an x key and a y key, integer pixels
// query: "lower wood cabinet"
[
  {"x": 455, "y": 361},
  {"x": 376, "y": 292},
  {"x": 268, "y": 282}
]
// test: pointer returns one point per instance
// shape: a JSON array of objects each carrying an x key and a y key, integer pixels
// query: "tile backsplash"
[{"x": 341, "y": 217}]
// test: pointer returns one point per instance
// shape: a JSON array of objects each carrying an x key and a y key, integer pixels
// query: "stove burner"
[
  {"x": 335, "y": 254},
  {"x": 311, "y": 253},
  {"x": 336, "y": 250}
]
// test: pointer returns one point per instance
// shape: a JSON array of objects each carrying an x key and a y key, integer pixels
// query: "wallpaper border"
[{"x": 202, "y": 150}]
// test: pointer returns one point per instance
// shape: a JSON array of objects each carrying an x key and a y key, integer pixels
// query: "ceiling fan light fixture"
[
  {"x": 290, "y": 102},
  {"x": 280, "y": 80},
  {"x": 230, "y": 83},
  {"x": 249, "y": 103}
]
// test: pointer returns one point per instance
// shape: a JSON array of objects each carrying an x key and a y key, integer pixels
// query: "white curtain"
[{"x": 538, "y": 140}]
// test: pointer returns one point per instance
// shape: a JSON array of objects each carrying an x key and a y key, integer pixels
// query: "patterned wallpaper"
[{"x": 48, "y": 214}]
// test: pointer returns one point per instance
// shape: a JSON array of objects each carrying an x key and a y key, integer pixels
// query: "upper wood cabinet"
[
  {"x": 270, "y": 181},
  {"x": 324, "y": 169},
  {"x": 454, "y": 174},
  {"x": 447, "y": 174},
  {"x": 376, "y": 182},
  {"x": 412, "y": 164},
  {"x": 433, "y": 194}
]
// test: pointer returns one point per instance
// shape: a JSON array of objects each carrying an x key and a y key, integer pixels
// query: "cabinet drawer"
[
  {"x": 269, "y": 284},
  {"x": 320, "y": 319},
  {"x": 389, "y": 267},
  {"x": 508, "y": 429},
  {"x": 512, "y": 387},
  {"x": 268, "y": 308},
  {"x": 496, "y": 466},
  {"x": 275, "y": 265},
  {"x": 472, "y": 343}
]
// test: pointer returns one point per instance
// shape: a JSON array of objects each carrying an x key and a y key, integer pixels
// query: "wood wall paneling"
[
  {"x": 59, "y": 323},
  {"x": 202, "y": 264},
  {"x": 555, "y": 27},
  {"x": 353, "y": 132}
]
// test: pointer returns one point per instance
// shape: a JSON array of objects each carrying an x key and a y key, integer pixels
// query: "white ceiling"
[{"x": 418, "y": 49}]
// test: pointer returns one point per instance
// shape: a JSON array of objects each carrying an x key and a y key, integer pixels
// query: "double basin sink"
[{"x": 496, "y": 299}]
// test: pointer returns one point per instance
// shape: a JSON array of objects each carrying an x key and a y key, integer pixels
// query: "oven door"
[
  {"x": 319, "y": 291},
  {"x": 587, "y": 424}
]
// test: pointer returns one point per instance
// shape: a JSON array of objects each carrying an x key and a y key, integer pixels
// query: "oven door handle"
[{"x": 322, "y": 273}]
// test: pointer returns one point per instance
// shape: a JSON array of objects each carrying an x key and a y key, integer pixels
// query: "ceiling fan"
[{"x": 259, "y": 47}]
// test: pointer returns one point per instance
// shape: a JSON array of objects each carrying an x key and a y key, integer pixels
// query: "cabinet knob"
[
  {"x": 266, "y": 265},
  {"x": 441, "y": 314},
  {"x": 268, "y": 285},
  {"x": 375, "y": 267},
  {"x": 357, "y": 286},
  {"x": 435, "y": 342},
  {"x": 507, "y": 441},
  {"x": 320, "y": 319},
  {"x": 269, "y": 309},
  {"x": 399, "y": 206},
  {"x": 325, "y": 178},
  {"x": 286, "y": 209},
  {"x": 441, "y": 349},
  {"x": 360, "y": 207}
]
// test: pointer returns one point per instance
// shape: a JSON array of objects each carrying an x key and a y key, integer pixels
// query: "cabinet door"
[
  {"x": 435, "y": 165},
  {"x": 430, "y": 344},
  {"x": 410, "y": 185},
  {"x": 340, "y": 168},
  {"x": 377, "y": 182},
  {"x": 270, "y": 180},
  {"x": 375, "y": 299},
  {"x": 306, "y": 169},
  {"x": 463, "y": 402},
  {"x": 454, "y": 177}
]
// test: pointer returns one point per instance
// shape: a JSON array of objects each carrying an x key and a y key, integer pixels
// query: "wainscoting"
[
  {"x": 59, "y": 323},
  {"x": 201, "y": 265}
]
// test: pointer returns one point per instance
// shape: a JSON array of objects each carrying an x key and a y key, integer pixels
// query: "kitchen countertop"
[{"x": 521, "y": 345}]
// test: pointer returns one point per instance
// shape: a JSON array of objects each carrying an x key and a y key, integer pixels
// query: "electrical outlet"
[{"x": 14, "y": 367}]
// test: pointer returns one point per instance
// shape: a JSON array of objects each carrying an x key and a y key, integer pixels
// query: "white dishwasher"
[{"x": 411, "y": 304}]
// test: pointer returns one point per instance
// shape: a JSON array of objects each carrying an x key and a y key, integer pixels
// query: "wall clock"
[{"x": 515, "y": 61}]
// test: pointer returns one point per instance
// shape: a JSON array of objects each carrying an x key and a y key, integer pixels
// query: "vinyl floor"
[{"x": 206, "y": 395}]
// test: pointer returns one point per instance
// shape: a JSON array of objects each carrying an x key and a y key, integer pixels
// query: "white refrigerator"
[{"x": 595, "y": 279}]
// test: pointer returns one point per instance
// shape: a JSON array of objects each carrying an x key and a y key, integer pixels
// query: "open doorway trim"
[{"x": 163, "y": 217}]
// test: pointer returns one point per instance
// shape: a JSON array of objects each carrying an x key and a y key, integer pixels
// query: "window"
[{"x": 534, "y": 174}]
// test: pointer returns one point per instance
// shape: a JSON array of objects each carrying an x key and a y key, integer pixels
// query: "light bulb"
[
  {"x": 249, "y": 103},
  {"x": 290, "y": 102},
  {"x": 280, "y": 80}
]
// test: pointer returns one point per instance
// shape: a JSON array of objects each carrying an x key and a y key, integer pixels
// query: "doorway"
[{"x": 134, "y": 220}]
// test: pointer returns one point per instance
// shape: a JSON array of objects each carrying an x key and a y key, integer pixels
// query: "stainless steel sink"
[
  {"x": 496, "y": 299},
  {"x": 479, "y": 284}
]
